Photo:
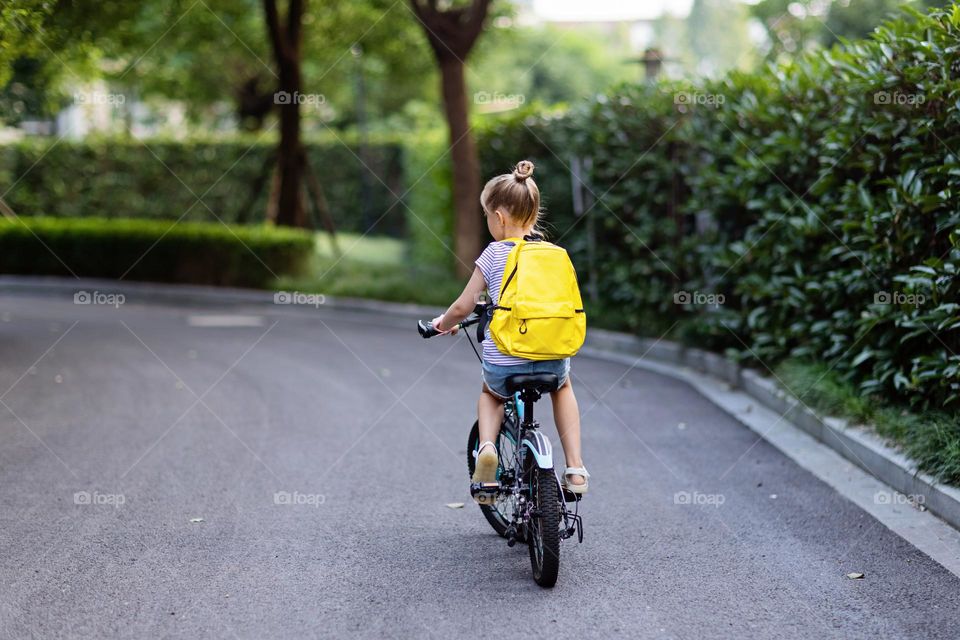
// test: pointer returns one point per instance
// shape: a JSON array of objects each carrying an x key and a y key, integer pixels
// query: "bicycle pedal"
[
  {"x": 488, "y": 488},
  {"x": 569, "y": 496}
]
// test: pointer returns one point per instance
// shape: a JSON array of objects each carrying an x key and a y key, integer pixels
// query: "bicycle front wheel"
[{"x": 500, "y": 513}]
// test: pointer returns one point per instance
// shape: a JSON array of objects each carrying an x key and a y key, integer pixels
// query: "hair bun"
[{"x": 523, "y": 171}]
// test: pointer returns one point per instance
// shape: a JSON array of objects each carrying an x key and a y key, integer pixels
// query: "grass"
[
  {"x": 931, "y": 439},
  {"x": 373, "y": 267}
]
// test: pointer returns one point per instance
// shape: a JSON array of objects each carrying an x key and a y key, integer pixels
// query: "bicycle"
[{"x": 527, "y": 503}]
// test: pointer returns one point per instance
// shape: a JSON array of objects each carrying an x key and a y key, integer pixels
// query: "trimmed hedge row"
[
  {"x": 808, "y": 210},
  {"x": 133, "y": 249},
  {"x": 164, "y": 179}
]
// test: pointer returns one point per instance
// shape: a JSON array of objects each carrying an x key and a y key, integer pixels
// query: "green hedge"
[
  {"x": 192, "y": 252},
  {"x": 805, "y": 197},
  {"x": 164, "y": 179}
]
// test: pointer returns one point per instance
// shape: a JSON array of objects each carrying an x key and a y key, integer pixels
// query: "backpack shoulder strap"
[{"x": 508, "y": 278}]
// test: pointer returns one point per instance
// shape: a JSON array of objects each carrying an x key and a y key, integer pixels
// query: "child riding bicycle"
[{"x": 511, "y": 205}]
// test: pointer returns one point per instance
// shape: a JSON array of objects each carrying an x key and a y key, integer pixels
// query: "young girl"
[{"x": 511, "y": 205}]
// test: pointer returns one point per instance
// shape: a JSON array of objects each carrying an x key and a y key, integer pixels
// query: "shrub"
[
  {"x": 816, "y": 197},
  {"x": 132, "y": 249},
  {"x": 164, "y": 179}
]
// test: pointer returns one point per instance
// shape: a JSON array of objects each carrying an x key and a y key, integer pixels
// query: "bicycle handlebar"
[{"x": 427, "y": 330}]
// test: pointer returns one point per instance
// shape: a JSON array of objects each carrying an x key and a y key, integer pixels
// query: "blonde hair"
[{"x": 516, "y": 194}]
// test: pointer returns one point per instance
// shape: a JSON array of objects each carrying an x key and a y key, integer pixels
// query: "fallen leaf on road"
[
  {"x": 855, "y": 576},
  {"x": 196, "y": 519},
  {"x": 455, "y": 505}
]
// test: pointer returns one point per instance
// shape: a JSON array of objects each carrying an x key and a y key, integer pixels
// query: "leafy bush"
[
  {"x": 195, "y": 179},
  {"x": 812, "y": 202},
  {"x": 931, "y": 438},
  {"x": 132, "y": 249}
]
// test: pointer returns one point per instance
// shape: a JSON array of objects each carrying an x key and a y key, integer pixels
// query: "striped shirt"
[{"x": 492, "y": 263}]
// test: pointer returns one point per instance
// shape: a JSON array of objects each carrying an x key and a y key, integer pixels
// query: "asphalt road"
[{"x": 143, "y": 455}]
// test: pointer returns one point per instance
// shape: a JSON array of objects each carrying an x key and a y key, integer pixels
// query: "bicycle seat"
[{"x": 539, "y": 382}]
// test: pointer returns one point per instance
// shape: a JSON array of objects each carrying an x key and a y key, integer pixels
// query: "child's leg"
[
  {"x": 566, "y": 414},
  {"x": 489, "y": 416}
]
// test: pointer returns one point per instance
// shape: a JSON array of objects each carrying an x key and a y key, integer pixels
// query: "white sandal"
[
  {"x": 576, "y": 488},
  {"x": 485, "y": 469}
]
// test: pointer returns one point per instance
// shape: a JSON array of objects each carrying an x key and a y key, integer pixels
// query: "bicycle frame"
[
  {"x": 518, "y": 418},
  {"x": 535, "y": 442}
]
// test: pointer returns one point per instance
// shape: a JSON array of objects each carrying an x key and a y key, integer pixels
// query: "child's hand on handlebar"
[{"x": 436, "y": 324}]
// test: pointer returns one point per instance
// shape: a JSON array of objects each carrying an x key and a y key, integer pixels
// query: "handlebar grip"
[{"x": 426, "y": 329}]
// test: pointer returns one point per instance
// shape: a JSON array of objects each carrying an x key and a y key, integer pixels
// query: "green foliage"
[
  {"x": 931, "y": 439},
  {"x": 199, "y": 253},
  {"x": 165, "y": 179},
  {"x": 20, "y": 27},
  {"x": 429, "y": 202},
  {"x": 547, "y": 64},
  {"x": 795, "y": 26},
  {"x": 202, "y": 54},
  {"x": 814, "y": 199},
  {"x": 719, "y": 48}
]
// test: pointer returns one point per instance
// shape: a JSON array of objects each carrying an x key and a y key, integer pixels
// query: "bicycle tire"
[
  {"x": 499, "y": 514},
  {"x": 543, "y": 532}
]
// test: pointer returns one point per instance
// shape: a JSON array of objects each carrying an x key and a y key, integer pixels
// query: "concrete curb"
[{"x": 856, "y": 444}]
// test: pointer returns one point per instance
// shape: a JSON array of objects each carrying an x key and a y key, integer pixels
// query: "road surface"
[{"x": 205, "y": 471}]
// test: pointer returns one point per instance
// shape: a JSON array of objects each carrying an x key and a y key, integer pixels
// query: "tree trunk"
[
  {"x": 452, "y": 32},
  {"x": 290, "y": 205},
  {"x": 287, "y": 50},
  {"x": 468, "y": 230}
]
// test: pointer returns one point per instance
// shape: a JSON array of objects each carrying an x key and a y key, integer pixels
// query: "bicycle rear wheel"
[
  {"x": 543, "y": 535},
  {"x": 500, "y": 513}
]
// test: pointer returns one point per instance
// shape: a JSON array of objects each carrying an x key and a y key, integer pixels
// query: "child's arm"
[{"x": 462, "y": 306}]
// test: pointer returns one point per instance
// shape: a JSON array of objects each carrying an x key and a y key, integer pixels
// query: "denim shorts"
[{"x": 495, "y": 376}]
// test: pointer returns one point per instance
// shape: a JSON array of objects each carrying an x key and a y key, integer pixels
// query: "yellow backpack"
[{"x": 539, "y": 315}]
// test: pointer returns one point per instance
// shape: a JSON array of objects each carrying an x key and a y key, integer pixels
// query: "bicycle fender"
[{"x": 539, "y": 447}]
